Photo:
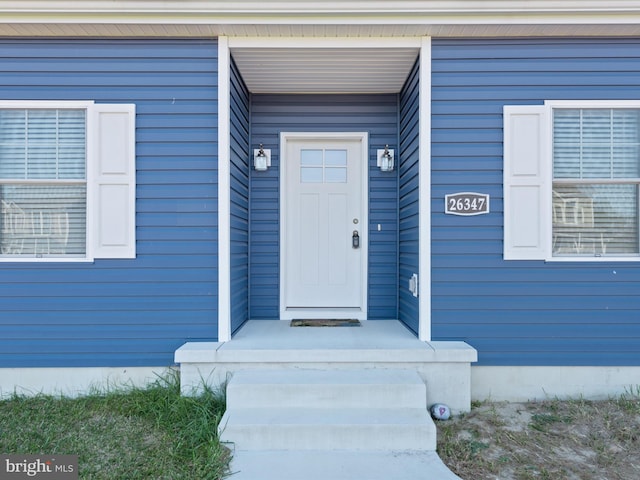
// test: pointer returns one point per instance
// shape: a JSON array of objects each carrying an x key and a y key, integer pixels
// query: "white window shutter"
[
  {"x": 527, "y": 171},
  {"x": 113, "y": 181}
]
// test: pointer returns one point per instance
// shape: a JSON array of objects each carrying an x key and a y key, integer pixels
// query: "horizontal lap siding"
[
  {"x": 272, "y": 114},
  {"x": 239, "y": 170},
  {"x": 125, "y": 312},
  {"x": 409, "y": 197},
  {"x": 515, "y": 312}
]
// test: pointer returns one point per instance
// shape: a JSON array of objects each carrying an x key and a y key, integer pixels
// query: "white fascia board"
[
  {"x": 325, "y": 7},
  {"x": 223, "y": 12}
]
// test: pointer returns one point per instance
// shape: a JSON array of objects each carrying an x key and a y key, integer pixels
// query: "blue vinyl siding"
[
  {"x": 515, "y": 312},
  {"x": 125, "y": 312},
  {"x": 272, "y": 114},
  {"x": 409, "y": 194},
  {"x": 239, "y": 170}
]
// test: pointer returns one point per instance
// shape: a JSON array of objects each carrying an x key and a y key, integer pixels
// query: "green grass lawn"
[{"x": 133, "y": 433}]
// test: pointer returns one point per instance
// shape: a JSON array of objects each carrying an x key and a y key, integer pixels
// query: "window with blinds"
[
  {"x": 596, "y": 173},
  {"x": 43, "y": 190}
]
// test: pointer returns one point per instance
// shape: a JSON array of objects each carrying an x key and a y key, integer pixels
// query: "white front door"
[{"x": 324, "y": 226}]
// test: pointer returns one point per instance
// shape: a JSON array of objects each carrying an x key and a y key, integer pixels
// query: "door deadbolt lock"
[{"x": 355, "y": 239}]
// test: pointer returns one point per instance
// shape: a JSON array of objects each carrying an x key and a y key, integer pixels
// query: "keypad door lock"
[{"x": 355, "y": 239}]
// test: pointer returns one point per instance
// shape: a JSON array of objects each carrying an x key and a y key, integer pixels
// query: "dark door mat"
[{"x": 325, "y": 322}]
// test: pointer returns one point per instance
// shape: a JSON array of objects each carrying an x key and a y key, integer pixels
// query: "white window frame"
[
  {"x": 109, "y": 179},
  {"x": 536, "y": 241}
]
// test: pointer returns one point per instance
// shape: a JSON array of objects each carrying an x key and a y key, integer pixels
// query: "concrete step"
[
  {"x": 328, "y": 429},
  {"x": 338, "y": 465},
  {"x": 372, "y": 388}
]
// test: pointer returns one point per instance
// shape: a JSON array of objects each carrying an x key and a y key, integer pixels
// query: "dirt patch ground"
[{"x": 555, "y": 440}]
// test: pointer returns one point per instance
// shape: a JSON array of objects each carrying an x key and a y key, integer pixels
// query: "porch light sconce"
[
  {"x": 385, "y": 159},
  {"x": 261, "y": 159}
]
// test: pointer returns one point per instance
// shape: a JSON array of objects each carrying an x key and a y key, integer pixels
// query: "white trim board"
[
  {"x": 522, "y": 384},
  {"x": 274, "y": 11},
  {"x": 224, "y": 190},
  {"x": 424, "y": 208}
]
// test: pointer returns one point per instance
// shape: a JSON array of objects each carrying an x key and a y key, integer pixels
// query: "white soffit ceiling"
[{"x": 324, "y": 70}]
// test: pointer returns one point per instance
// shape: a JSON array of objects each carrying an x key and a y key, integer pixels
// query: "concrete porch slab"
[
  {"x": 263, "y": 341},
  {"x": 377, "y": 344}
]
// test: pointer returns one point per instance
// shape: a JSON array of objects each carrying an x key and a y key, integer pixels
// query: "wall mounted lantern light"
[
  {"x": 385, "y": 159},
  {"x": 261, "y": 159}
]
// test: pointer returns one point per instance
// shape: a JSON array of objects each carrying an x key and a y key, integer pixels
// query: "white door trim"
[{"x": 363, "y": 138}]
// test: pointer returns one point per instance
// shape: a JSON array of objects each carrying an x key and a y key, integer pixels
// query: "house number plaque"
[{"x": 466, "y": 203}]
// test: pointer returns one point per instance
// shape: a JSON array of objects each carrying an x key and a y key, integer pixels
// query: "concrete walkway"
[{"x": 338, "y": 465}]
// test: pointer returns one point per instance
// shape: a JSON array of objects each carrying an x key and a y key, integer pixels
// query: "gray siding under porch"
[
  {"x": 239, "y": 169},
  {"x": 125, "y": 312},
  {"x": 409, "y": 199},
  {"x": 521, "y": 312}
]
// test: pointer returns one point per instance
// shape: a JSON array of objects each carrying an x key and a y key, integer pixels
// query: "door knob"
[{"x": 355, "y": 239}]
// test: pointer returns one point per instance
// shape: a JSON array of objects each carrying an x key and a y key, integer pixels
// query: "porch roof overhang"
[
  {"x": 318, "y": 18},
  {"x": 319, "y": 46}
]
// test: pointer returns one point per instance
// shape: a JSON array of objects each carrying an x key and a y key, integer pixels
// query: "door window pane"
[
  {"x": 310, "y": 158},
  {"x": 336, "y": 158},
  {"x": 335, "y": 175},
  {"x": 311, "y": 175},
  {"x": 323, "y": 166}
]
